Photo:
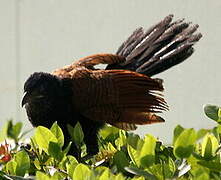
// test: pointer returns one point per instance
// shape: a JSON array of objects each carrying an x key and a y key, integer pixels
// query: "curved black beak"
[{"x": 25, "y": 99}]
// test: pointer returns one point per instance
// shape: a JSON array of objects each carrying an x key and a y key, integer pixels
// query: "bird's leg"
[
  {"x": 90, "y": 129},
  {"x": 91, "y": 143}
]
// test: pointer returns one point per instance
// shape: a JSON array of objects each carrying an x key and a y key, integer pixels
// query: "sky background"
[{"x": 42, "y": 35}]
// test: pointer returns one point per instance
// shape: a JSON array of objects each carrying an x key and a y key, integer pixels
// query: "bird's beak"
[{"x": 25, "y": 99}]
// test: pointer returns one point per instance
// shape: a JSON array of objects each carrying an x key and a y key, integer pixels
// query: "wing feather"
[
  {"x": 91, "y": 61},
  {"x": 118, "y": 97}
]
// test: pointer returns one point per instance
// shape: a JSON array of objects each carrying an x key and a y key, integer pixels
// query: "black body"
[{"x": 150, "y": 52}]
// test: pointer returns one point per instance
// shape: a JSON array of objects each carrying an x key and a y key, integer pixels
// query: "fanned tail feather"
[{"x": 160, "y": 47}]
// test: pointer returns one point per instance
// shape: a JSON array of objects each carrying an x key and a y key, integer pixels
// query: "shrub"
[{"x": 123, "y": 155}]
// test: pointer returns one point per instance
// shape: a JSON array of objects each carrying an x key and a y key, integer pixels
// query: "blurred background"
[{"x": 42, "y": 35}]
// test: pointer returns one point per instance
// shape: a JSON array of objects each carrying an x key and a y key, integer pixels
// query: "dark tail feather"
[{"x": 162, "y": 46}]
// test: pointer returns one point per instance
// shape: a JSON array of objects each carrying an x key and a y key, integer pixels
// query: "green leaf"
[
  {"x": 8, "y": 177},
  {"x": 120, "y": 177},
  {"x": 3, "y": 132},
  {"x": 11, "y": 167},
  {"x": 177, "y": 131},
  {"x": 23, "y": 163},
  {"x": 55, "y": 151},
  {"x": 214, "y": 166},
  {"x": 100, "y": 169},
  {"x": 37, "y": 164},
  {"x": 169, "y": 168},
  {"x": 43, "y": 136},
  {"x": 184, "y": 144},
  {"x": 109, "y": 133},
  {"x": 134, "y": 155},
  {"x": 217, "y": 132},
  {"x": 56, "y": 130},
  {"x": 42, "y": 176},
  {"x": 213, "y": 112},
  {"x": 140, "y": 172},
  {"x": 219, "y": 113},
  {"x": 202, "y": 176},
  {"x": 81, "y": 172},
  {"x": 147, "y": 153},
  {"x": 121, "y": 161},
  {"x": 209, "y": 146},
  {"x": 111, "y": 148},
  {"x": 201, "y": 133},
  {"x": 17, "y": 129},
  {"x": 66, "y": 150},
  {"x": 105, "y": 175},
  {"x": 132, "y": 140},
  {"x": 58, "y": 176},
  {"x": 71, "y": 167},
  {"x": 76, "y": 133},
  {"x": 14, "y": 131},
  {"x": 219, "y": 129},
  {"x": 121, "y": 141},
  {"x": 200, "y": 173},
  {"x": 66, "y": 161},
  {"x": 138, "y": 178}
]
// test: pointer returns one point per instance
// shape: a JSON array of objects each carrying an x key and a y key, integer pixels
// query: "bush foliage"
[{"x": 194, "y": 154}]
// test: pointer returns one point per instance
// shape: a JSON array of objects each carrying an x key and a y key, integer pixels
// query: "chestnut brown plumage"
[{"x": 123, "y": 95}]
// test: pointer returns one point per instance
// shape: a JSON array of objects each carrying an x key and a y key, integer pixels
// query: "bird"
[{"x": 124, "y": 94}]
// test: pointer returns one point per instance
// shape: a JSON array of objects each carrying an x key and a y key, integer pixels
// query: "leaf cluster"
[{"x": 194, "y": 154}]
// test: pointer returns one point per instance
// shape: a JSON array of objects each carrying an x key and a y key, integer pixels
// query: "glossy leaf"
[
  {"x": 76, "y": 134},
  {"x": 42, "y": 176},
  {"x": 134, "y": 155},
  {"x": 219, "y": 113},
  {"x": 81, "y": 172},
  {"x": 71, "y": 167},
  {"x": 212, "y": 111},
  {"x": 184, "y": 144},
  {"x": 169, "y": 168},
  {"x": 66, "y": 161},
  {"x": 66, "y": 150},
  {"x": 140, "y": 172},
  {"x": 43, "y": 136},
  {"x": 56, "y": 130},
  {"x": 120, "y": 160},
  {"x": 132, "y": 140},
  {"x": 121, "y": 141},
  {"x": 109, "y": 133},
  {"x": 214, "y": 166},
  {"x": 14, "y": 131},
  {"x": 177, "y": 131},
  {"x": 201, "y": 133},
  {"x": 105, "y": 175},
  {"x": 55, "y": 151},
  {"x": 23, "y": 163},
  {"x": 11, "y": 167},
  {"x": 3, "y": 132},
  {"x": 147, "y": 153},
  {"x": 209, "y": 146}
]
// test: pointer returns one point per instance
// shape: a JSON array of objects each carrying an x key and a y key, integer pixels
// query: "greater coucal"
[{"x": 123, "y": 95}]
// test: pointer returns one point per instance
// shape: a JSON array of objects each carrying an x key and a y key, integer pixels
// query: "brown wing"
[
  {"x": 118, "y": 97},
  {"x": 88, "y": 62}
]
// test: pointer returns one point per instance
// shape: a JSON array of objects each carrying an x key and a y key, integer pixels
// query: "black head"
[{"x": 41, "y": 87}]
